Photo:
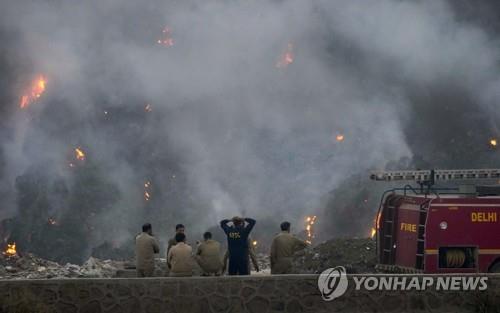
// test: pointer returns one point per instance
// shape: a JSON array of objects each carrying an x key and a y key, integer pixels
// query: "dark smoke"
[{"x": 408, "y": 83}]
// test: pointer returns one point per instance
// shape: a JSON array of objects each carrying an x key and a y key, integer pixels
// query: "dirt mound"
[{"x": 357, "y": 255}]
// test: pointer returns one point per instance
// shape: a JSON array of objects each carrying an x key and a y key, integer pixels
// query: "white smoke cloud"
[{"x": 250, "y": 138}]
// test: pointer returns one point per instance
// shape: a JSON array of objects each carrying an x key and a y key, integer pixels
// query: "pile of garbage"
[
  {"x": 29, "y": 266},
  {"x": 357, "y": 255}
]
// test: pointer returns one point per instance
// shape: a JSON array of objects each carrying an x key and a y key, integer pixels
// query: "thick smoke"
[{"x": 229, "y": 132}]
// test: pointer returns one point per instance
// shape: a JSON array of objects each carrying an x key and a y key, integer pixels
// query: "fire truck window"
[{"x": 457, "y": 257}]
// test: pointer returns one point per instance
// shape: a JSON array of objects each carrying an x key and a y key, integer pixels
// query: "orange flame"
[
  {"x": 376, "y": 224},
  {"x": 79, "y": 154},
  {"x": 147, "y": 194},
  {"x": 11, "y": 250},
  {"x": 339, "y": 137},
  {"x": 493, "y": 142},
  {"x": 254, "y": 243},
  {"x": 310, "y": 220},
  {"x": 166, "y": 39},
  {"x": 36, "y": 90},
  {"x": 286, "y": 58}
]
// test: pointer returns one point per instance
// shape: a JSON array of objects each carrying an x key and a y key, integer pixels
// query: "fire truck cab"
[{"x": 439, "y": 230}]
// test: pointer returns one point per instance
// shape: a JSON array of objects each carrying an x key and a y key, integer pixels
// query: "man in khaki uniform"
[
  {"x": 282, "y": 250},
  {"x": 179, "y": 258},
  {"x": 251, "y": 255},
  {"x": 179, "y": 228},
  {"x": 208, "y": 256},
  {"x": 145, "y": 248}
]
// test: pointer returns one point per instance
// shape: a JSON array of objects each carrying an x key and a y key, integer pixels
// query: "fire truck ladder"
[
  {"x": 429, "y": 177},
  {"x": 425, "y": 178},
  {"x": 419, "y": 262},
  {"x": 387, "y": 230}
]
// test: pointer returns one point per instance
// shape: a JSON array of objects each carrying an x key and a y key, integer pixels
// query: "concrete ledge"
[{"x": 261, "y": 294}]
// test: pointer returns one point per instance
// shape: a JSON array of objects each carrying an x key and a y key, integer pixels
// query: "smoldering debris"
[
  {"x": 357, "y": 255},
  {"x": 29, "y": 266}
]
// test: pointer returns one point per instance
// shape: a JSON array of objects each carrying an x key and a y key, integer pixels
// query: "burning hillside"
[{"x": 198, "y": 111}]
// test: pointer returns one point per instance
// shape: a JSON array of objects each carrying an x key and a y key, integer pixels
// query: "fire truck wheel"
[{"x": 495, "y": 268}]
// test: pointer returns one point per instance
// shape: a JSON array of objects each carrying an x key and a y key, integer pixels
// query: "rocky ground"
[{"x": 357, "y": 255}]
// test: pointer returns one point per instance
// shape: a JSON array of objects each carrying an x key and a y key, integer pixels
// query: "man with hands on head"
[{"x": 237, "y": 242}]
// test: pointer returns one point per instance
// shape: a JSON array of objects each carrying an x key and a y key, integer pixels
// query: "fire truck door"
[{"x": 407, "y": 235}]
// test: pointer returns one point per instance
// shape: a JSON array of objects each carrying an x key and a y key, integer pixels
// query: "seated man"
[
  {"x": 179, "y": 258},
  {"x": 179, "y": 228},
  {"x": 208, "y": 256},
  {"x": 145, "y": 249},
  {"x": 283, "y": 248}
]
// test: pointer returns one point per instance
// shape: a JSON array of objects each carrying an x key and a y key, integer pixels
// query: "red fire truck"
[{"x": 439, "y": 230}]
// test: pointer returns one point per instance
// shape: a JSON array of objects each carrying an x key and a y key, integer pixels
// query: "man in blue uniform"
[{"x": 237, "y": 243}]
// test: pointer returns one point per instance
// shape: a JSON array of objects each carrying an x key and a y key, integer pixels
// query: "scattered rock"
[{"x": 29, "y": 266}]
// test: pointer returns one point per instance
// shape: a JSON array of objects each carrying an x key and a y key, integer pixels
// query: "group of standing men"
[{"x": 240, "y": 252}]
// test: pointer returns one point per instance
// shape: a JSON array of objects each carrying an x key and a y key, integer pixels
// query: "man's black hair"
[
  {"x": 285, "y": 226},
  {"x": 179, "y": 226},
  {"x": 146, "y": 227},
  {"x": 207, "y": 235},
  {"x": 180, "y": 237}
]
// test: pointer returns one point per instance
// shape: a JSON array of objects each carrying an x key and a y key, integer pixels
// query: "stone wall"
[{"x": 258, "y": 294}]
